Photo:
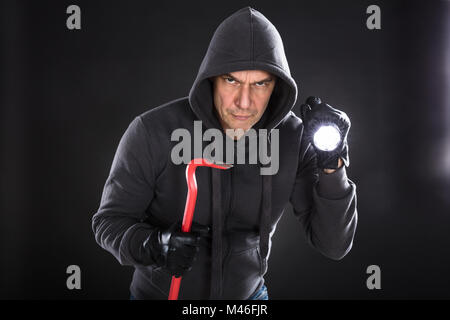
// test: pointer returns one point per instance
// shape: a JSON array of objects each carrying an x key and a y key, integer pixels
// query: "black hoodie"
[{"x": 145, "y": 189}]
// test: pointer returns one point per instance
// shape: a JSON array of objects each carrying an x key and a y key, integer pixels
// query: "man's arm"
[
  {"x": 118, "y": 225},
  {"x": 325, "y": 204}
]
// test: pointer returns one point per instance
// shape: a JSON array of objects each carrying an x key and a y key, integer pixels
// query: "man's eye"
[
  {"x": 260, "y": 84},
  {"x": 229, "y": 80}
]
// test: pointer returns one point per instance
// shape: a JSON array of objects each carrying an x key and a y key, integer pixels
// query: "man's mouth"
[{"x": 240, "y": 118}]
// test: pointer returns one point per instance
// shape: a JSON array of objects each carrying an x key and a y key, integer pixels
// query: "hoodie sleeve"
[
  {"x": 117, "y": 225},
  {"x": 325, "y": 205}
]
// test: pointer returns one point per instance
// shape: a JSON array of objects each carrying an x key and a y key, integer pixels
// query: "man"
[{"x": 243, "y": 83}]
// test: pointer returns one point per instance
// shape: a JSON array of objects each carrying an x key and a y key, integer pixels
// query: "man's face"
[{"x": 241, "y": 97}]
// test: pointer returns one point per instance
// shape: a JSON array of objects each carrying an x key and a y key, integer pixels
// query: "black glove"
[
  {"x": 174, "y": 250},
  {"x": 314, "y": 114}
]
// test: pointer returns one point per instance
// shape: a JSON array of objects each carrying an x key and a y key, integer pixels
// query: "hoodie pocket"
[{"x": 241, "y": 273}]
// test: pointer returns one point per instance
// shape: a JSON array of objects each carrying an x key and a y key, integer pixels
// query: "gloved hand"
[
  {"x": 174, "y": 250},
  {"x": 314, "y": 114}
]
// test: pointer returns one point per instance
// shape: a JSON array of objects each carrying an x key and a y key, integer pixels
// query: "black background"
[{"x": 67, "y": 96}]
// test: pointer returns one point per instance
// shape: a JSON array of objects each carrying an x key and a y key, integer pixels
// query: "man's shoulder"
[
  {"x": 291, "y": 122},
  {"x": 168, "y": 116},
  {"x": 172, "y": 109}
]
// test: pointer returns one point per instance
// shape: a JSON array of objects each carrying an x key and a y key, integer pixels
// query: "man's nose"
[{"x": 243, "y": 99}]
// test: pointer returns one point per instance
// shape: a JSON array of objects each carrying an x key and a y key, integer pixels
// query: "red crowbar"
[{"x": 189, "y": 208}]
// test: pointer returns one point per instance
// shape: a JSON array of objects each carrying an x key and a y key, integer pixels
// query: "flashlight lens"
[{"x": 327, "y": 138}]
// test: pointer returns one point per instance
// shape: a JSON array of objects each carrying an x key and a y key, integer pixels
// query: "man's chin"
[
  {"x": 240, "y": 128},
  {"x": 241, "y": 125},
  {"x": 235, "y": 134}
]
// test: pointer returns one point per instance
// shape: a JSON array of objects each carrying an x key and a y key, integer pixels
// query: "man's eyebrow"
[{"x": 268, "y": 79}]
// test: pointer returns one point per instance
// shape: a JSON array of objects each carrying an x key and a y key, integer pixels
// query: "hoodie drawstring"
[
  {"x": 264, "y": 224},
  {"x": 216, "y": 254}
]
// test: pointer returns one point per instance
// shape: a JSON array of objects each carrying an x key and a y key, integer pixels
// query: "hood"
[{"x": 246, "y": 40}]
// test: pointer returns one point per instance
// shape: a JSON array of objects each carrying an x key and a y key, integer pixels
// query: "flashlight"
[{"x": 327, "y": 138}]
